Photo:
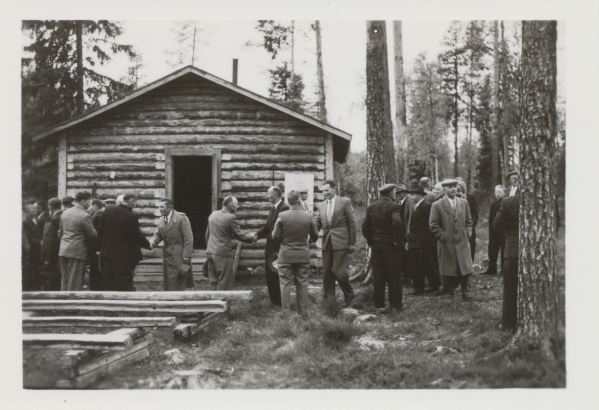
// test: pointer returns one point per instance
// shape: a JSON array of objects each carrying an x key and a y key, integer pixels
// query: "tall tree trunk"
[
  {"x": 80, "y": 96},
  {"x": 538, "y": 313},
  {"x": 496, "y": 175},
  {"x": 381, "y": 166},
  {"x": 292, "y": 48},
  {"x": 456, "y": 117},
  {"x": 400, "y": 105},
  {"x": 322, "y": 109},
  {"x": 506, "y": 138},
  {"x": 193, "y": 45}
]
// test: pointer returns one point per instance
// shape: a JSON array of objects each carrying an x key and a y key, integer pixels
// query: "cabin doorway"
[{"x": 192, "y": 183}]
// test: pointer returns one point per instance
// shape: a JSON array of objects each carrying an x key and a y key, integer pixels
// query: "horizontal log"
[
  {"x": 252, "y": 214},
  {"x": 115, "y": 166},
  {"x": 112, "y": 357},
  {"x": 114, "y": 156},
  {"x": 210, "y": 122},
  {"x": 175, "y": 296},
  {"x": 256, "y": 196},
  {"x": 86, "y": 321},
  {"x": 76, "y": 341},
  {"x": 258, "y": 253},
  {"x": 264, "y": 147},
  {"x": 185, "y": 330},
  {"x": 114, "y": 192},
  {"x": 126, "y": 184},
  {"x": 118, "y": 175},
  {"x": 157, "y": 277},
  {"x": 266, "y": 175},
  {"x": 126, "y": 305},
  {"x": 259, "y": 206},
  {"x": 265, "y": 158},
  {"x": 272, "y": 130},
  {"x": 149, "y": 106},
  {"x": 252, "y": 263},
  {"x": 224, "y": 97},
  {"x": 150, "y": 212},
  {"x": 197, "y": 139},
  {"x": 196, "y": 115},
  {"x": 270, "y": 166}
]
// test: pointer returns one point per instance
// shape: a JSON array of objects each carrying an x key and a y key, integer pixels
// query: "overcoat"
[
  {"x": 178, "y": 245},
  {"x": 506, "y": 220},
  {"x": 452, "y": 228}
]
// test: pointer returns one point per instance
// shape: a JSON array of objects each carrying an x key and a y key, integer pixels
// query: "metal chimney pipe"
[{"x": 235, "y": 71}]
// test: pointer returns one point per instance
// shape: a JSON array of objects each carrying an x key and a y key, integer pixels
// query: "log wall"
[{"x": 123, "y": 150}]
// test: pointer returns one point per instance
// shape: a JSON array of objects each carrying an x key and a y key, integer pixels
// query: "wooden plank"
[
  {"x": 185, "y": 330},
  {"x": 118, "y": 175},
  {"x": 104, "y": 322},
  {"x": 74, "y": 357},
  {"x": 176, "y": 296},
  {"x": 230, "y": 130},
  {"x": 127, "y": 184},
  {"x": 183, "y": 122},
  {"x": 114, "y": 192},
  {"x": 194, "y": 115},
  {"x": 115, "y": 166},
  {"x": 265, "y": 157},
  {"x": 62, "y": 165},
  {"x": 76, "y": 341},
  {"x": 88, "y": 378},
  {"x": 126, "y": 305},
  {"x": 158, "y": 277},
  {"x": 269, "y": 166},
  {"x": 113, "y": 356},
  {"x": 240, "y": 175},
  {"x": 330, "y": 166},
  {"x": 115, "y": 156},
  {"x": 203, "y": 139},
  {"x": 263, "y": 147},
  {"x": 237, "y": 255}
]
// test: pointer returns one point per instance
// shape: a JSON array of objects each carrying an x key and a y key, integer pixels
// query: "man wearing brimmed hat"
[
  {"x": 513, "y": 176},
  {"x": 384, "y": 232},
  {"x": 422, "y": 245},
  {"x": 451, "y": 224}
]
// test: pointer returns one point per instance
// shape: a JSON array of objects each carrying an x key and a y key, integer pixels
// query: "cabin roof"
[{"x": 341, "y": 138}]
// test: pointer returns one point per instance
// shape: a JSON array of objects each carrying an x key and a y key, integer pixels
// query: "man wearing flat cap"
[
  {"x": 303, "y": 198},
  {"x": 384, "y": 232},
  {"x": 514, "y": 185},
  {"x": 451, "y": 223}
]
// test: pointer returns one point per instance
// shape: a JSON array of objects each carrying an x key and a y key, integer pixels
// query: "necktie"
[
  {"x": 166, "y": 220},
  {"x": 330, "y": 211}
]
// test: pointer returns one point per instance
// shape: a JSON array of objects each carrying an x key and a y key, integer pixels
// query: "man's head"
[
  {"x": 230, "y": 204},
  {"x": 293, "y": 197},
  {"x": 417, "y": 193},
  {"x": 68, "y": 202},
  {"x": 109, "y": 201},
  {"x": 304, "y": 195},
  {"x": 425, "y": 182},
  {"x": 130, "y": 200},
  {"x": 328, "y": 189},
  {"x": 499, "y": 192},
  {"x": 513, "y": 178},
  {"x": 83, "y": 199},
  {"x": 450, "y": 187},
  {"x": 31, "y": 209},
  {"x": 41, "y": 207},
  {"x": 438, "y": 191},
  {"x": 400, "y": 192},
  {"x": 96, "y": 206},
  {"x": 54, "y": 205},
  {"x": 274, "y": 194},
  {"x": 165, "y": 206}
]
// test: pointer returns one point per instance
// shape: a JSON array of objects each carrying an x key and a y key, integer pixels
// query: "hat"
[
  {"x": 183, "y": 271},
  {"x": 400, "y": 188},
  {"x": 109, "y": 200},
  {"x": 303, "y": 191},
  {"x": 449, "y": 182},
  {"x": 386, "y": 188},
  {"x": 417, "y": 189},
  {"x": 512, "y": 173}
]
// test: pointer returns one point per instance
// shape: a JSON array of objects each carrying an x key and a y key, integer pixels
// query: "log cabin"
[{"x": 195, "y": 138}]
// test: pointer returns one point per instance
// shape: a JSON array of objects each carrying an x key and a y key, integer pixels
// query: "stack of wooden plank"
[{"x": 92, "y": 356}]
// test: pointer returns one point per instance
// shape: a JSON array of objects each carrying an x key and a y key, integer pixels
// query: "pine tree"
[
  {"x": 482, "y": 116},
  {"x": 189, "y": 36}
]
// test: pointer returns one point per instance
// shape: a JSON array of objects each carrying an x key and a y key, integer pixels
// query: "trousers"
[
  {"x": 95, "y": 276},
  {"x": 299, "y": 274},
  {"x": 220, "y": 272},
  {"x": 117, "y": 274},
  {"x": 335, "y": 264},
  {"x": 72, "y": 272},
  {"x": 386, "y": 268},
  {"x": 272, "y": 283},
  {"x": 509, "y": 311},
  {"x": 423, "y": 266},
  {"x": 496, "y": 245}
]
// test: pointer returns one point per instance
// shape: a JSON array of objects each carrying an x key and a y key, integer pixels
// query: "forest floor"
[{"x": 433, "y": 343}]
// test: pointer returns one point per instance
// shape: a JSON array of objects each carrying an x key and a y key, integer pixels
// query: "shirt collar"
[
  {"x": 416, "y": 206},
  {"x": 169, "y": 216},
  {"x": 277, "y": 204}
]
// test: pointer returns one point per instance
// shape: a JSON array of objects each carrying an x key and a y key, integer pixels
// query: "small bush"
[
  {"x": 338, "y": 333},
  {"x": 331, "y": 308}
]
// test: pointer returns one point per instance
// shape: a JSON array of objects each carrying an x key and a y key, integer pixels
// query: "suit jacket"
[
  {"x": 96, "y": 221},
  {"x": 507, "y": 220},
  {"x": 294, "y": 230},
  {"x": 75, "y": 232},
  {"x": 269, "y": 226},
  {"x": 452, "y": 228},
  {"x": 34, "y": 239},
  {"x": 51, "y": 241},
  {"x": 407, "y": 207},
  {"x": 120, "y": 235},
  {"x": 178, "y": 245},
  {"x": 492, "y": 214},
  {"x": 341, "y": 229},
  {"x": 383, "y": 223},
  {"x": 41, "y": 221},
  {"x": 420, "y": 235},
  {"x": 223, "y": 227},
  {"x": 429, "y": 197}
]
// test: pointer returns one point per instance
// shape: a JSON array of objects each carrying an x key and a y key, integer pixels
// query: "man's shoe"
[
  {"x": 467, "y": 298},
  {"x": 433, "y": 291},
  {"x": 347, "y": 303},
  {"x": 443, "y": 293},
  {"x": 382, "y": 311}
]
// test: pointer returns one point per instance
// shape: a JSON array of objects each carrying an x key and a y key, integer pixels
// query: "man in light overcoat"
[
  {"x": 451, "y": 224},
  {"x": 175, "y": 230}
]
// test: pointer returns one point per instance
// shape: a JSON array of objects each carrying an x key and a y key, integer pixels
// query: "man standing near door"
[
  {"x": 175, "y": 230},
  {"x": 274, "y": 195},
  {"x": 338, "y": 222}
]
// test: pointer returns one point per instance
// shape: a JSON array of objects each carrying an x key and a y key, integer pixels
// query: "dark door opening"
[{"x": 192, "y": 193}]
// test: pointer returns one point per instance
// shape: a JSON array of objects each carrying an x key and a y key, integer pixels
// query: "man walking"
[
  {"x": 120, "y": 246},
  {"x": 51, "y": 247},
  {"x": 222, "y": 229},
  {"x": 175, "y": 230},
  {"x": 507, "y": 220},
  {"x": 451, "y": 224},
  {"x": 384, "y": 232},
  {"x": 422, "y": 245},
  {"x": 274, "y": 195},
  {"x": 496, "y": 236},
  {"x": 294, "y": 230},
  {"x": 338, "y": 222},
  {"x": 75, "y": 233}
]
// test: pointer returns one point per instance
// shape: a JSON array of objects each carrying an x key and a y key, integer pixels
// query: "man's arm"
[
  {"x": 157, "y": 237},
  {"x": 142, "y": 240},
  {"x": 397, "y": 225},
  {"x": 313, "y": 232},
  {"x": 187, "y": 234},
  {"x": 500, "y": 218},
  {"x": 277, "y": 233},
  {"x": 238, "y": 234},
  {"x": 474, "y": 211},
  {"x": 317, "y": 220},
  {"x": 88, "y": 227},
  {"x": 468, "y": 221},
  {"x": 367, "y": 225},
  {"x": 434, "y": 223},
  {"x": 351, "y": 224}
]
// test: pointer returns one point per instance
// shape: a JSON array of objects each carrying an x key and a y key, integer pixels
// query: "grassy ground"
[{"x": 434, "y": 343}]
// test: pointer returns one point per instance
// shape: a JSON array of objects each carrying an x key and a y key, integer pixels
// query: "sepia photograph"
[{"x": 340, "y": 203}]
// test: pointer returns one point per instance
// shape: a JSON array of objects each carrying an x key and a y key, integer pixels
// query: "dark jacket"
[
  {"x": 42, "y": 220},
  {"x": 492, "y": 214},
  {"x": 420, "y": 235},
  {"x": 269, "y": 226},
  {"x": 383, "y": 223},
  {"x": 473, "y": 209},
  {"x": 51, "y": 241},
  {"x": 294, "y": 230},
  {"x": 507, "y": 220},
  {"x": 120, "y": 235}
]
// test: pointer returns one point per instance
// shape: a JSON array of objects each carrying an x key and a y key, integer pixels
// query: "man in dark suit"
[
  {"x": 338, "y": 222},
  {"x": 96, "y": 210},
  {"x": 50, "y": 248},
  {"x": 274, "y": 195},
  {"x": 405, "y": 202},
  {"x": 384, "y": 232},
  {"x": 75, "y": 233},
  {"x": 463, "y": 193},
  {"x": 121, "y": 241},
  {"x": 496, "y": 236},
  {"x": 294, "y": 230},
  {"x": 223, "y": 227},
  {"x": 43, "y": 216},
  {"x": 507, "y": 220},
  {"x": 31, "y": 232},
  {"x": 422, "y": 245}
]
